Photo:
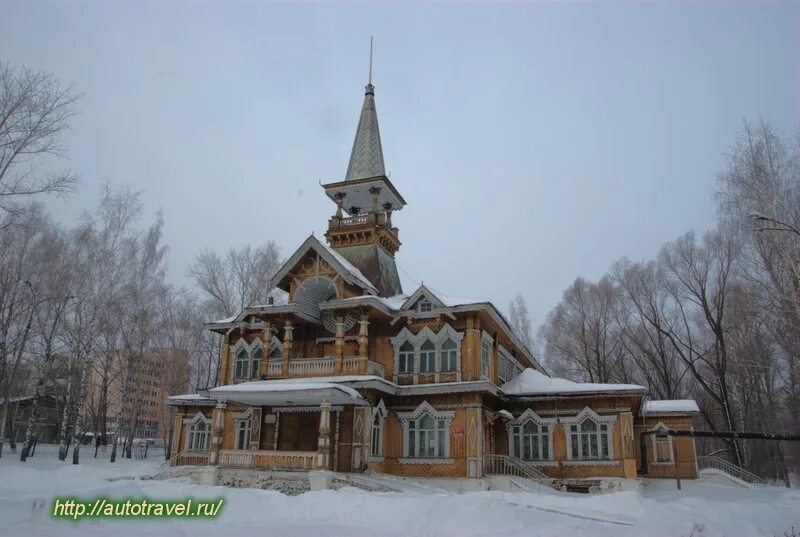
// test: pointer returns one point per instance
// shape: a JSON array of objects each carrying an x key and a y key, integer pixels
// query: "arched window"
[
  {"x": 376, "y": 442},
  {"x": 531, "y": 441},
  {"x": 242, "y": 433},
  {"x": 449, "y": 355},
  {"x": 199, "y": 435},
  {"x": 427, "y": 357},
  {"x": 256, "y": 363},
  {"x": 406, "y": 357},
  {"x": 242, "y": 364},
  {"x": 589, "y": 441},
  {"x": 276, "y": 353}
]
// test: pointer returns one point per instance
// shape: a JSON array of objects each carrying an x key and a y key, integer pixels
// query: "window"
[
  {"x": 256, "y": 363},
  {"x": 426, "y": 433},
  {"x": 276, "y": 353},
  {"x": 376, "y": 444},
  {"x": 427, "y": 352},
  {"x": 199, "y": 436},
  {"x": 425, "y": 306},
  {"x": 243, "y": 434},
  {"x": 427, "y": 357},
  {"x": 406, "y": 358},
  {"x": 426, "y": 438},
  {"x": 486, "y": 358},
  {"x": 242, "y": 364},
  {"x": 589, "y": 441},
  {"x": 449, "y": 355},
  {"x": 531, "y": 441},
  {"x": 662, "y": 445}
]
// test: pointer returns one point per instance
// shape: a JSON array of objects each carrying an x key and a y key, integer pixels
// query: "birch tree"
[{"x": 35, "y": 111}]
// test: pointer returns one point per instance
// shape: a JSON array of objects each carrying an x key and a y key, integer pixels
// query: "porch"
[{"x": 278, "y": 425}]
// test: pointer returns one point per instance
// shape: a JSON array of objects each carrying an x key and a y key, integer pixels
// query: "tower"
[{"x": 365, "y": 236}]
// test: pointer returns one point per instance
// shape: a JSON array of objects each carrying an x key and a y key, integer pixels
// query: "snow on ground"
[{"x": 700, "y": 510}]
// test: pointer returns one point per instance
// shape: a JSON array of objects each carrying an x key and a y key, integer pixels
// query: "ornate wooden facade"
[{"x": 351, "y": 373}]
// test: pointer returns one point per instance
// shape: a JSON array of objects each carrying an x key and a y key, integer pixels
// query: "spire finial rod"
[{"x": 370, "y": 60}]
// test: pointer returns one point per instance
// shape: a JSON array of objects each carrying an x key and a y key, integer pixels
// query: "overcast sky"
[{"x": 534, "y": 143}]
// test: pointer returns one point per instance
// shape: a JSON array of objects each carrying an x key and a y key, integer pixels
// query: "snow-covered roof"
[
  {"x": 670, "y": 406},
  {"x": 189, "y": 399},
  {"x": 348, "y": 270},
  {"x": 532, "y": 383},
  {"x": 226, "y": 320},
  {"x": 287, "y": 392},
  {"x": 444, "y": 300},
  {"x": 266, "y": 386},
  {"x": 348, "y": 266}
]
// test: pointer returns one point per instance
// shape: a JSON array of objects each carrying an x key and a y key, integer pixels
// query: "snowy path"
[{"x": 701, "y": 510}]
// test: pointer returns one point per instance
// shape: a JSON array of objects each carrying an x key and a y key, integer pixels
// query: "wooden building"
[{"x": 354, "y": 374}]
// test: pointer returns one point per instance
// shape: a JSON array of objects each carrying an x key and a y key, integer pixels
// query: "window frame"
[
  {"x": 655, "y": 440},
  {"x": 427, "y": 357},
  {"x": 243, "y": 422},
  {"x": 436, "y": 436},
  {"x": 379, "y": 414},
  {"x": 192, "y": 433},
  {"x": 603, "y": 436}
]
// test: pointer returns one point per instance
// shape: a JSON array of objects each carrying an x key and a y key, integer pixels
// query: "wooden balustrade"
[
  {"x": 322, "y": 367},
  {"x": 267, "y": 460},
  {"x": 192, "y": 458}
]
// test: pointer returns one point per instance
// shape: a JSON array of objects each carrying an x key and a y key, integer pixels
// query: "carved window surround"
[
  {"x": 425, "y": 409},
  {"x": 426, "y": 334},
  {"x": 608, "y": 420},
  {"x": 530, "y": 415}
]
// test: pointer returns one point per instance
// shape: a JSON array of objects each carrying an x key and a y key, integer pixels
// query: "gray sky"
[{"x": 534, "y": 143}]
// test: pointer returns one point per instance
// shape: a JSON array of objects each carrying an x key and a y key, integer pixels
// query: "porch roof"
[{"x": 287, "y": 393}]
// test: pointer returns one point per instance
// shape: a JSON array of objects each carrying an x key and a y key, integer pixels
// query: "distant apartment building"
[{"x": 124, "y": 386}]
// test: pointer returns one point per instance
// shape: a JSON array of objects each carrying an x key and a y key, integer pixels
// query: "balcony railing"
[
  {"x": 267, "y": 460},
  {"x": 322, "y": 367}
]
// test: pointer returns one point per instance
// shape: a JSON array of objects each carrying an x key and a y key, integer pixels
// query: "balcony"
[{"x": 323, "y": 367}]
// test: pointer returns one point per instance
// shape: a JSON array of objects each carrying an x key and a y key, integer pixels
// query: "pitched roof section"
[
  {"x": 366, "y": 159},
  {"x": 350, "y": 273}
]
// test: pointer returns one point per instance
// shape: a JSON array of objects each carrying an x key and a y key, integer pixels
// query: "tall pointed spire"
[{"x": 366, "y": 159}]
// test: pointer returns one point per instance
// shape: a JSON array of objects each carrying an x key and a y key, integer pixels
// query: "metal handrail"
[
  {"x": 495, "y": 464},
  {"x": 717, "y": 463}
]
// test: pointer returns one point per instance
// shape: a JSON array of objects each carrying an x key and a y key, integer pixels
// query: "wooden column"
[
  {"x": 471, "y": 355},
  {"x": 266, "y": 342},
  {"x": 339, "y": 343},
  {"x": 474, "y": 442},
  {"x": 255, "y": 428},
  {"x": 324, "y": 441},
  {"x": 217, "y": 432},
  {"x": 176, "y": 437},
  {"x": 287, "y": 347},
  {"x": 363, "y": 339},
  {"x": 224, "y": 361}
]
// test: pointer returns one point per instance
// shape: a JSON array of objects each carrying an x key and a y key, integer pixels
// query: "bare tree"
[
  {"x": 34, "y": 114},
  {"x": 238, "y": 279},
  {"x": 582, "y": 337},
  {"x": 20, "y": 254},
  {"x": 520, "y": 320}
]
